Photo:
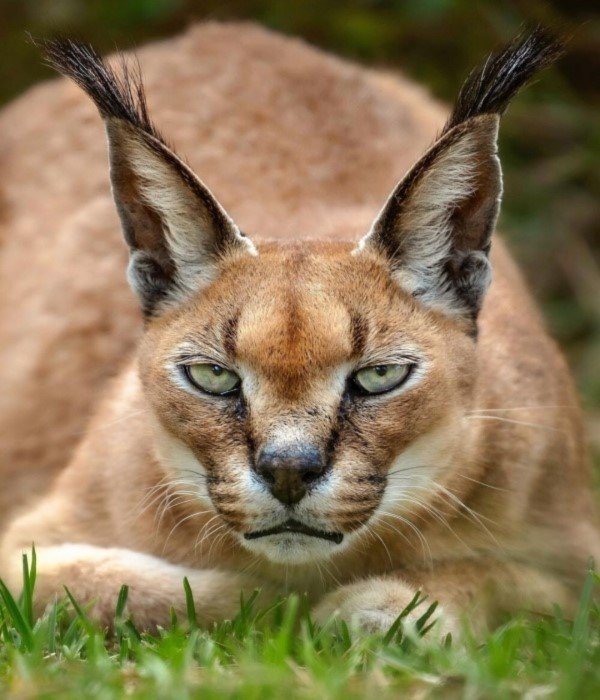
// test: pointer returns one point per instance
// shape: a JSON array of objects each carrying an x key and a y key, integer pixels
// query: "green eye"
[
  {"x": 381, "y": 378},
  {"x": 213, "y": 379}
]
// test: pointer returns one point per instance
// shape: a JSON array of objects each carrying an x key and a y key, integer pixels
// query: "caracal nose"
[{"x": 289, "y": 471}]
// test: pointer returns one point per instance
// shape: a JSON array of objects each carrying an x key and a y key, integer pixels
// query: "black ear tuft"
[
  {"x": 115, "y": 95},
  {"x": 177, "y": 231},
  {"x": 490, "y": 87}
]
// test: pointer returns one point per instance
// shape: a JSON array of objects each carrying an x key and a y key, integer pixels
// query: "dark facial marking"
[
  {"x": 359, "y": 329},
  {"x": 296, "y": 526},
  {"x": 229, "y": 334}
]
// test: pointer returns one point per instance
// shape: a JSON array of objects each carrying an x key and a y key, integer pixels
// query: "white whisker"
[
  {"x": 422, "y": 539},
  {"x": 520, "y": 408},
  {"x": 110, "y": 424},
  {"x": 515, "y": 422},
  {"x": 371, "y": 530},
  {"x": 200, "y": 537},
  {"x": 460, "y": 505},
  {"x": 216, "y": 537},
  {"x": 180, "y": 522},
  {"x": 483, "y": 483}
]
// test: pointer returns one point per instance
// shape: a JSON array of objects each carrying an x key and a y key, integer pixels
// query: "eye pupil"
[
  {"x": 381, "y": 370},
  {"x": 217, "y": 370}
]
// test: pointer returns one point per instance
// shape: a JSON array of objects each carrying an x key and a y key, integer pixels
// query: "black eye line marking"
[{"x": 229, "y": 334}]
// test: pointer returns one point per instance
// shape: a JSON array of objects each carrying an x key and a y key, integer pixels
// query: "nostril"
[
  {"x": 308, "y": 476},
  {"x": 265, "y": 466},
  {"x": 266, "y": 473}
]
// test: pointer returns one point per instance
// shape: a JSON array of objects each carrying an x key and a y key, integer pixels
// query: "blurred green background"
[{"x": 549, "y": 143}]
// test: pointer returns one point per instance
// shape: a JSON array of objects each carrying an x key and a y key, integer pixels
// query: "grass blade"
[
  {"x": 190, "y": 605},
  {"x": 81, "y": 615},
  {"x": 16, "y": 617},
  {"x": 121, "y": 603}
]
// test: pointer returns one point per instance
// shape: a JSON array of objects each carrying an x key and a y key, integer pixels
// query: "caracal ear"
[
  {"x": 175, "y": 228},
  {"x": 435, "y": 229}
]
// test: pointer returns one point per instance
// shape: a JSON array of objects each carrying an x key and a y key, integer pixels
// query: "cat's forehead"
[
  {"x": 298, "y": 310},
  {"x": 292, "y": 327},
  {"x": 295, "y": 314},
  {"x": 308, "y": 307}
]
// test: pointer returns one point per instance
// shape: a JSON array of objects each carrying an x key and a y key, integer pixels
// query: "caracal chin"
[{"x": 316, "y": 385}]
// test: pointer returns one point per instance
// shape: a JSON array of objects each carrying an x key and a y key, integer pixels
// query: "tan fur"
[{"x": 295, "y": 144}]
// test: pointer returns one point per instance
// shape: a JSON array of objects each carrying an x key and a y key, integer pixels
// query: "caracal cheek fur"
[{"x": 297, "y": 478}]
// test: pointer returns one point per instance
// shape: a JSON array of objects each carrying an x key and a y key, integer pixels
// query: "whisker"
[
  {"x": 415, "y": 529},
  {"x": 223, "y": 530},
  {"x": 321, "y": 577},
  {"x": 180, "y": 522},
  {"x": 179, "y": 501},
  {"x": 162, "y": 484},
  {"x": 520, "y": 408},
  {"x": 371, "y": 531},
  {"x": 195, "y": 474},
  {"x": 110, "y": 424},
  {"x": 440, "y": 518},
  {"x": 405, "y": 469},
  {"x": 331, "y": 574},
  {"x": 457, "y": 503},
  {"x": 157, "y": 497},
  {"x": 171, "y": 498},
  {"x": 200, "y": 537},
  {"x": 477, "y": 517},
  {"x": 482, "y": 483},
  {"x": 516, "y": 422},
  {"x": 251, "y": 567},
  {"x": 398, "y": 532},
  {"x": 409, "y": 481}
]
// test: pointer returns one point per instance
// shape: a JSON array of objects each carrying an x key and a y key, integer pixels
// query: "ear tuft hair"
[
  {"x": 176, "y": 230},
  {"x": 118, "y": 95},
  {"x": 490, "y": 87}
]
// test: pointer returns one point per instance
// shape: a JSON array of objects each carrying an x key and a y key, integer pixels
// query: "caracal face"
[{"x": 297, "y": 443}]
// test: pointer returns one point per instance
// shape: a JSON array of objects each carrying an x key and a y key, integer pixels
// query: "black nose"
[{"x": 288, "y": 471}]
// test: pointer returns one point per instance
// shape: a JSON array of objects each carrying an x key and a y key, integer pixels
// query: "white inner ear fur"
[
  {"x": 424, "y": 229},
  {"x": 188, "y": 227}
]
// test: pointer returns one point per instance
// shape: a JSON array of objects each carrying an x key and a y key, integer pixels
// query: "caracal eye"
[
  {"x": 213, "y": 379},
  {"x": 381, "y": 378}
]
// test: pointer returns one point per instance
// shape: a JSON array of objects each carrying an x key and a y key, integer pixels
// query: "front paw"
[{"x": 373, "y": 606}]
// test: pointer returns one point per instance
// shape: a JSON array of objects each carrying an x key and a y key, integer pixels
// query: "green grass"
[{"x": 281, "y": 653}]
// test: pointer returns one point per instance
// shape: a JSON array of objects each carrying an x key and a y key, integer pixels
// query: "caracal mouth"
[{"x": 296, "y": 527}]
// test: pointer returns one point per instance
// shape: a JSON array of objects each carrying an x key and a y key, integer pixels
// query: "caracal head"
[{"x": 305, "y": 392}]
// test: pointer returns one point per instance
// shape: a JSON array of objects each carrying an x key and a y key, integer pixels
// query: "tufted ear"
[
  {"x": 175, "y": 228},
  {"x": 435, "y": 229}
]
